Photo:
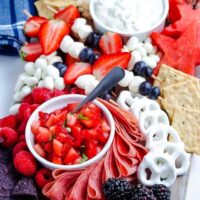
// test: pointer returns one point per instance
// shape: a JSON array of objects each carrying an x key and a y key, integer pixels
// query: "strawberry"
[
  {"x": 42, "y": 177},
  {"x": 71, "y": 119},
  {"x": 90, "y": 134},
  {"x": 68, "y": 15},
  {"x": 91, "y": 148},
  {"x": 65, "y": 138},
  {"x": 71, "y": 156},
  {"x": 30, "y": 51},
  {"x": 44, "y": 135},
  {"x": 40, "y": 95},
  {"x": 39, "y": 150},
  {"x": 30, "y": 27},
  {"x": 77, "y": 134},
  {"x": 75, "y": 70},
  {"x": 103, "y": 137},
  {"x": 106, "y": 63},
  {"x": 69, "y": 60},
  {"x": 110, "y": 43},
  {"x": 57, "y": 147},
  {"x": 19, "y": 147},
  {"x": 57, "y": 160},
  {"x": 72, "y": 106},
  {"x": 51, "y": 34},
  {"x": 25, "y": 163},
  {"x": 43, "y": 118},
  {"x": 8, "y": 136},
  {"x": 9, "y": 121}
]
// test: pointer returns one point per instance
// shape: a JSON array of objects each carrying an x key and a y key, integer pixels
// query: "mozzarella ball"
[
  {"x": 135, "y": 84},
  {"x": 67, "y": 41},
  {"x": 75, "y": 49},
  {"x": 84, "y": 31}
]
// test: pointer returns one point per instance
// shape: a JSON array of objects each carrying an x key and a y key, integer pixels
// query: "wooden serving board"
[{"x": 186, "y": 187}]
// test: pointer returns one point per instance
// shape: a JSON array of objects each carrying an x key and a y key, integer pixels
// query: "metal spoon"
[{"x": 109, "y": 81}]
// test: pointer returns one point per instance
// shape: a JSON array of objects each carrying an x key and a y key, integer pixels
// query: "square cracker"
[
  {"x": 186, "y": 123},
  {"x": 184, "y": 94}
]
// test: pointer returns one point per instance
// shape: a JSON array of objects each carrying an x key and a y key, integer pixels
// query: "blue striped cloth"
[{"x": 12, "y": 20}]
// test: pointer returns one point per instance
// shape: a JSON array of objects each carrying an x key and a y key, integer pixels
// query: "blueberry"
[
  {"x": 146, "y": 72},
  {"x": 61, "y": 67},
  {"x": 93, "y": 58},
  {"x": 145, "y": 88},
  {"x": 138, "y": 67},
  {"x": 106, "y": 96},
  {"x": 154, "y": 93},
  {"x": 85, "y": 54},
  {"x": 93, "y": 40}
]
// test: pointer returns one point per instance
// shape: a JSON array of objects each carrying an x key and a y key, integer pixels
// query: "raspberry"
[
  {"x": 21, "y": 138},
  {"x": 56, "y": 93},
  {"x": 22, "y": 127},
  {"x": 40, "y": 95},
  {"x": 33, "y": 107},
  {"x": 77, "y": 90},
  {"x": 24, "y": 111},
  {"x": 9, "y": 121},
  {"x": 9, "y": 136},
  {"x": 19, "y": 147},
  {"x": 42, "y": 177},
  {"x": 25, "y": 163},
  {"x": 28, "y": 99}
]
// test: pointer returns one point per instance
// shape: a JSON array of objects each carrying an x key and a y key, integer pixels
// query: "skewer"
[
  {"x": 113, "y": 94},
  {"x": 29, "y": 15},
  {"x": 52, "y": 9},
  {"x": 155, "y": 78}
]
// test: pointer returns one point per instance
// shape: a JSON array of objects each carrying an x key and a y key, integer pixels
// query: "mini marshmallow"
[
  {"x": 29, "y": 68},
  {"x": 155, "y": 58},
  {"x": 67, "y": 41},
  {"x": 54, "y": 59},
  {"x": 59, "y": 83},
  {"x": 26, "y": 90},
  {"x": 127, "y": 79},
  {"x": 155, "y": 50},
  {"x": 14, "y": 109},
  {"x": 132, "y": 43},
  {"x": 135, "y": 57},
  {"x": 47, "y": 57},
  {"x": 149, "y": 47},
  {"x": 41, "y": 83},
  {"x": 78, "y": 23},
  {"x": 84, "y": 80},
  {"x": 84, "y": 31},
  {"x": 150, "y": 119},
  {"x": 38, "y": 73},
  {"x": 144, "y": 105},
  {"x": 44, "y": 74},
  {"x": 162, "y": 169},
  {"x": 22, "y": 76},
  {"x": 41, "y": 63},
  {"x": 18, "y": 96},
  {"x": 148, "y": 40},
  {"x": 149, "y": 61},
  {"x": 31, "y": 81},
  {"x": 135, "y": 84},
  {"x": 52, "y": 72},
  {"x": 49, "y": 83},
  {"x": 75, "y": 49},
  {"x": 142, "y": 50},
  {"x": 19, "y": 85},
  {"x": 125, "y": 99},
  {"x": 158, "y": 135},
  {"x": 91, "y": 86}
]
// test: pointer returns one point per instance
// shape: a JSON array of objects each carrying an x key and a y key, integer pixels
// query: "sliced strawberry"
[
  {"x": 77, "y": 134},
  {"x": 31, "y": 28},
  {"x": 104, "y": 125},
  {"x": 107, "y": 62},
  {"x": 71, "y": 156},
  {"x": 39, "y": 150},
  {"x": 57, "y": 160},
  {"x": 68, "y": 15},
  {"x": 71, "y": 119},
  {"x": 65, "y": 138},
  {"x": 30, "y": 51},
  {"x": 57, "y": 147},
  {"x": 69, "y": 60},
  {"x": 48, "y": 147},
  {"x": 34, "y": 127},
  {"x": 110, "y": 43},
  {"x": 50, "y": 121},
  {"x": 90, "y": 134},
  {"x": 75, "y": 70},
  {"x": 44, "y": 135},
  {"x": 72, "y": 106},
  {"x": 51, "y": 34},
  {"x": 103, "y": 137},
  {"x": 91, "y": 148}
]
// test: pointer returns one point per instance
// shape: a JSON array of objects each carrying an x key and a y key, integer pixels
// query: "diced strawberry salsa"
[{"x": 63, "y": 137}]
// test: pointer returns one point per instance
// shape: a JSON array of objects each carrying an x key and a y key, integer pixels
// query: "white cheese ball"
[
  {"x": 127, "y": 79},
  {"x": 132, "y": 43},
  {"x": 149, "y": 47},
  {"x": 14, "y": 109},
  {"x": 75, "y": 49},
  {"x": 26, "y": 90},
  {"x": 29, "y": 68},
  {"x": 135, "y": 84},
  {"x": 84, "y": 80},
  {"x": 59, "y": 83},
  {"x": 67, "y": 41},
  {"x": 54, "y": 59},
  {"x": 41, "y": 63},
  {"x": 135, "y": 57},
  {"x": 31, "y": 81},
  {"x": 38, "y": 73},
  {"x": 49, "y": 83},
  {"x": 149, "y": 61},
  {"x": 52, "y": 72}
]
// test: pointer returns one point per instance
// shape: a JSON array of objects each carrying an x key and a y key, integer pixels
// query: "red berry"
[
  {"x": 22, "y": 127},
  {"x": 42, "y": 177},
  {"x": 77, "y": 90},
  {"x": 28, "y": 99},
  {"x": 25, "y": 163},
  {"x": 57, "y": 93},
  {"x": 39, "y": 150},
  {"x": 40, "y": 95},
  {"x": 24, "y": 111},
  {"x": 19, "y": 147},
  {"x": 21, "y": 138},
  {"x": 44, "y": 135},
  {"x": 9, "y": 121},
  {"x": 9, "y": 136}
]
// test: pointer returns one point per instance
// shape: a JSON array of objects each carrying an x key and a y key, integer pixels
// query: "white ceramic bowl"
[
  {"x": 57, "y": 103},
  {"x": 157, "y": 27}
]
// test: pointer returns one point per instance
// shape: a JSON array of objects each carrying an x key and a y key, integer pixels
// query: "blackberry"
[
  {"x": 141, "y": 192},
  {"x": 117, "y": 189},
  {"x": 161, "y": 192}
]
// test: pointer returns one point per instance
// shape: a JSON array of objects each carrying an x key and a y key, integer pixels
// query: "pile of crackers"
[{"x": 180, "y": 98}]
